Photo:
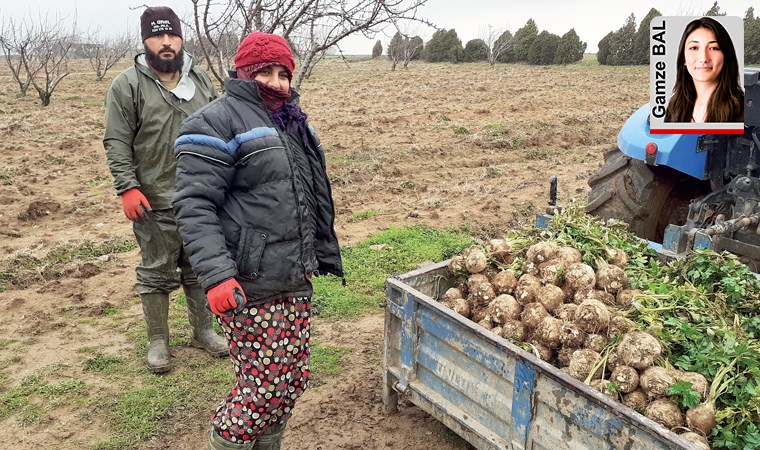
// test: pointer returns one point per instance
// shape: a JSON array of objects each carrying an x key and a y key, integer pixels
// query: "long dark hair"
[{"x": 726, "y": 101}]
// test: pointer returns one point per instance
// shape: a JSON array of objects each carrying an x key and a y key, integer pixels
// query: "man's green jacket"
[{"x": 142, "y": 122}]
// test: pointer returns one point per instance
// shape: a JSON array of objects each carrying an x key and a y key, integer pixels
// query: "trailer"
[{"x": 492, "y": 393}]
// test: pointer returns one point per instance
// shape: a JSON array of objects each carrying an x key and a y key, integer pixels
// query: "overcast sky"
[{"x": 592, "y": 19}]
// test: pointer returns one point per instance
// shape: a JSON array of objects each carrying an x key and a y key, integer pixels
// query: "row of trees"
[
  {"x": 627, "y": 46},
  {"x": 493, "y": 45},
  {"x": 36, "y": 54},
  {"x": 630, "y": 46},
  {"x": 751, "y": 37},
  {"x": 38, "y": 51},
  {"x": 313, "y": 27}
]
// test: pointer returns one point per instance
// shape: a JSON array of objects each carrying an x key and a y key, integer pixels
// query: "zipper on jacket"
[{"x": 291, "y": 161}]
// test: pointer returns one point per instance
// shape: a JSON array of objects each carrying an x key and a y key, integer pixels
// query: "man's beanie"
[
  {"x": 157, "y": 20},
  {"x": 262, "y": 50}
]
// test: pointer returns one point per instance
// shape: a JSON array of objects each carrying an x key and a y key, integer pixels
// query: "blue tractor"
[{"x": 686, "y": 191}]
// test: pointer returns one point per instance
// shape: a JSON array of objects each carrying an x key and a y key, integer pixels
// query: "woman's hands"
[{"x": 226, "y": 296}]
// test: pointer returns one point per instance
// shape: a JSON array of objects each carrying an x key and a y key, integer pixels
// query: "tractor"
[{"x": 686, "y": 191}]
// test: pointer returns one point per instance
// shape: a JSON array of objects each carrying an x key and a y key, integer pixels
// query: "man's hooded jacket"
[{"x": 142, "y": 122}]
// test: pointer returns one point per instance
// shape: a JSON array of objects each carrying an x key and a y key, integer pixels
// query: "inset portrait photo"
[{"x": 696, "y": 67}]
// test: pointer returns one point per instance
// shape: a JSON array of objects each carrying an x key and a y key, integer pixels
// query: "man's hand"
[
  {"x": 134, "y": 204},
  {"x": 226, "y": 296}
]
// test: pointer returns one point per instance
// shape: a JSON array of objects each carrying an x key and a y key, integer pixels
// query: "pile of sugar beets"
[{"x": 677, "y": 341}]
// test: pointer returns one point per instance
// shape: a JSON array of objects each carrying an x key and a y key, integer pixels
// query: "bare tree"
[
  {"x": 318, "y": 24},
  {"x": 496, "y": 47},
  {"x": 411, "y": 50},
  {"x": 16, "y": 38},
  {"x": 301, "y": 43},
  {"x": 217, "y": 34},
  {"x": 49, "y": 58},
  {"x": 403, "y": 49},
  {"x": 104, "y": 52},
  {"x": 37, "y": 52}
]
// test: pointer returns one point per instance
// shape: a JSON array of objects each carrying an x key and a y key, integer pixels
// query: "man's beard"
[{"x": 165, "y": 65}]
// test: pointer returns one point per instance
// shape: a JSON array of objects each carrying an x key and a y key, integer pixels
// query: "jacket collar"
[{"x": 185, "y": 87}]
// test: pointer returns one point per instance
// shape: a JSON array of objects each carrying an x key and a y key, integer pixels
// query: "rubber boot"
[
  {"x": 200, "y": 317},
  {"x": 270, "y": 438},
  {"x": 216, "y": 442},
  {"x": 156, "y": 313}
]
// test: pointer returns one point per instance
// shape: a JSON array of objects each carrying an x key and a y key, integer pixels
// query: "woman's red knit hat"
[{"x": 263, "y": 50}]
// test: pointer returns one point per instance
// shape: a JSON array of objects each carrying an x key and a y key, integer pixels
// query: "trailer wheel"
[{"x": 647, "y": 198}]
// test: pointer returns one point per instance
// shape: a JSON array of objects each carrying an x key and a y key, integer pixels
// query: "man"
[{"x": 144, "y": 108}]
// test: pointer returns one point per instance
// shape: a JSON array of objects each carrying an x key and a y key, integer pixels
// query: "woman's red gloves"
[
  {"x": 226, "y": 296},
  {"x": 134, "y": 204}
]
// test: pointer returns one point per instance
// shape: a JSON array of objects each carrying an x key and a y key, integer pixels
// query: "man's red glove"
[
  {"x": 226, "y": 296},
  {"x": 133, "y": 201}
]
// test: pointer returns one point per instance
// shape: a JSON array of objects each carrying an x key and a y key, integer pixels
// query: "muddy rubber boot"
[
  {"x": 200, "y": 317},
  {"x": 216, "y": 442},
  {"x": 156, "y": 313},
  {"x": 270, "y": 439}
]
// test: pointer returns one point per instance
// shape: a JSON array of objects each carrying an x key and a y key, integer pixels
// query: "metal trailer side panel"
[{"x": 490, "y": 392}]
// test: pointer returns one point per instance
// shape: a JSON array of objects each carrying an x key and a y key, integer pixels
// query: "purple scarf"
[
  {"x": 276, "y": 101},
  {"x": 283, "y": 113}
]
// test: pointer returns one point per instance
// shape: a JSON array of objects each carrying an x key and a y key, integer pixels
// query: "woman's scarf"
[
  {"x": 273, "y": 98},
  {"x": 283, "y": 113}
]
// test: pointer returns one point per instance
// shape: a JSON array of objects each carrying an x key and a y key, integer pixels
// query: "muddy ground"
[{"x": 437, "y": 144}]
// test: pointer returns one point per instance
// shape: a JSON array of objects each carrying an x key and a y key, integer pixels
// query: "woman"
[
  {"x": 707, "y": 85},
  {"x": 255, "y": 211}
]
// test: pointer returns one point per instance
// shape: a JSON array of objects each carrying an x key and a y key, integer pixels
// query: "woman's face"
[
  {"x": 275, "y": 77},
  {"x": 704, "y": 57}
]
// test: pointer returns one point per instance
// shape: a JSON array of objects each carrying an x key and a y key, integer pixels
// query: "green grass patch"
[
  {"x": 24, "y": 270},
  {"x": 9, "y": 173},
  {"x": 89, "y": 250},
  {"x": 325, "y": 360},
  {"x": 141, "y": 412},
  {"x": 34, "y": 397},
  {"x": 63, "y": 388},
  {"x": 366, "y": 269},
  {"x": 98, "y": 182},
  {"x": 109, "y": 310},
  {"x": 139, "y": 405},
  {"x": 145, "y": 405},
  {"x": 11, "y": 360},
  {"x": 363, "y": 215},
  {"x": 101, "y": 362}
]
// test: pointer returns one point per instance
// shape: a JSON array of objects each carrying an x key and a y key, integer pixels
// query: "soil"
[{"x": 436, "y": 144}]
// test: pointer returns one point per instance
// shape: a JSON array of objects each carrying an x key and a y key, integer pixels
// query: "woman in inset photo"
[{"x": 707, "y": 85}]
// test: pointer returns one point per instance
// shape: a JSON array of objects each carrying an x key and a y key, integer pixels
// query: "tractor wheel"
[{"x": 647, "y": 198}]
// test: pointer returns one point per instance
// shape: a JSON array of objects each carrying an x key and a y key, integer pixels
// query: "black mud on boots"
[
  {"x": 156, "y": 314},
  {"x": 200, "y": 317},
  {"x": 216, "y": 442}
]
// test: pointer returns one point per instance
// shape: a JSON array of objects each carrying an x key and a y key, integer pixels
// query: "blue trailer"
[{"x": 492, "y": 393}]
